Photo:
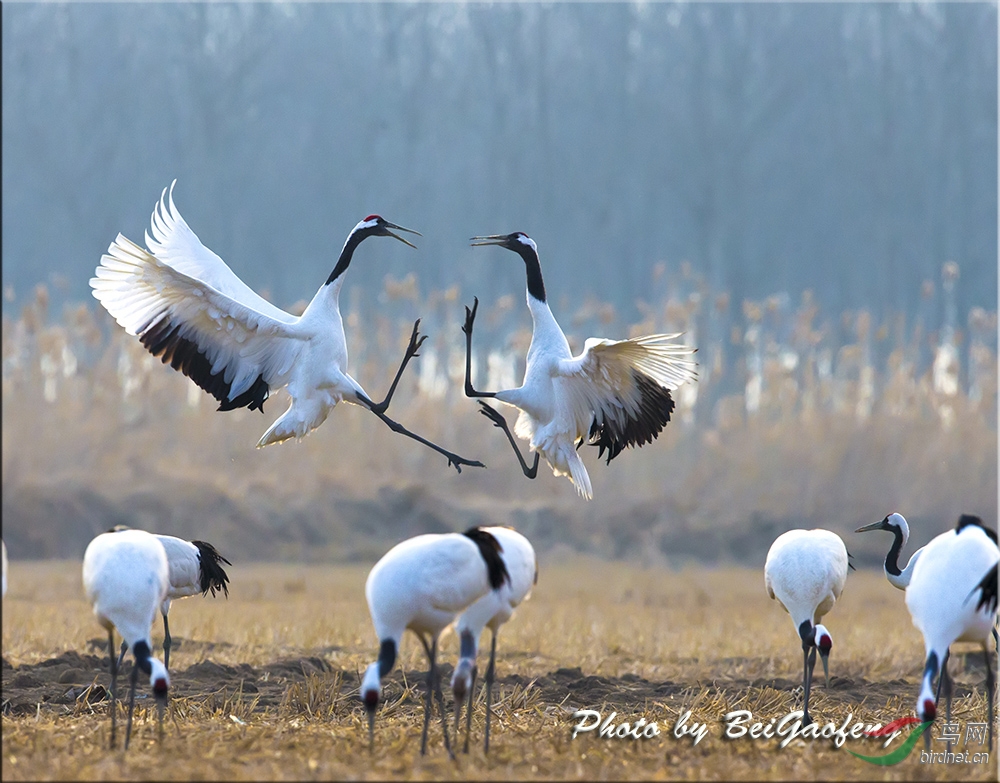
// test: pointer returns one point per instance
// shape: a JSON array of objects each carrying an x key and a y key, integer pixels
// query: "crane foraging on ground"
[
  {"x": 805, "y": 572},
  {"x": 943, "y": 602},
  {"x": 126, "y": 577},
  {"x": 422, "y": 584},
  {"x": 189, "y": 308},
  {"x": 491, "y": 611},
  {"x": 614, "y": 394},
  {"x": 195, "y": 567}
]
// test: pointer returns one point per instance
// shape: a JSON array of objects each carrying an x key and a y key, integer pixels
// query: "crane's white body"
[
  {"x": 126, "y": 578},
  {"x": 496, "y": 607},
  {"x": 182, "y": 284},
  {"x": 563, "y": 395},
  {"x": 423, "y": 583},
  {"x": 942, "y": 597},
  {"x": 805, "y": 572}
]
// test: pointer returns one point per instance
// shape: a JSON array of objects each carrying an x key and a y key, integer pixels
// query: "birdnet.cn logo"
[{"x": 975, "y": 734}]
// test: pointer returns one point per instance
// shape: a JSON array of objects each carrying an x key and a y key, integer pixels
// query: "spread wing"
[
  {"x": 175, "y": 244},
  {"x": 618, "y": 391},
  {"x": 230, "y": 348}
]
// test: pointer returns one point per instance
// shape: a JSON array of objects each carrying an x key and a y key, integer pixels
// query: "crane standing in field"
[
  {"x": 188, "y": 307},
  {"x": 615, "y": 394},
  {"x": 491, "y": 611},
  {"x": 421, "y": 584},
  {"x": 805, "y": 572},
  {"x": 126, "y": 576},
  {"x": 895, "y": 524},
  {"x": 942, "y": 602},
  {"x": 195, "y": 567}
]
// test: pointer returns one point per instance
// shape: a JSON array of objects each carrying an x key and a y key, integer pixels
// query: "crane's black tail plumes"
[
  {"x": 615, "y": 434},
  {"x": 490, "y": 549},
  {"x": 213, "y": 575}
]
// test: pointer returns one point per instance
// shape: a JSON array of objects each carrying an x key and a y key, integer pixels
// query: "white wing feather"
[
  {"x": 175, "y": 244},
  {"x": 600, "y": 379},
  {"x": 140, "y": 290}
]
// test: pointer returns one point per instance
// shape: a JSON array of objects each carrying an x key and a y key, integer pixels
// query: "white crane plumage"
[
  {"x": 943, "y": 602},
  {"x": 195, "y": 567},
  {"x": 126, "y": 577},
  {"x": 805, "y": 572},
  {"x": 614, "y": 394},
  {"x": 188, "y": 307},
  {"x": 491, "y": 611},
  {"x": 422, "y": 584},
  {"x": 895, "y": 524}
]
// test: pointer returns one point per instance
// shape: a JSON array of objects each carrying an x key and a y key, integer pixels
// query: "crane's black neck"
[
  {"x": 346, "y": 254},
  {"x": 386, "y": 657},
  {"x": 142, "y": 653},
  {"x": 534, "y": 270},
  {"x": 892, "y": 559}
]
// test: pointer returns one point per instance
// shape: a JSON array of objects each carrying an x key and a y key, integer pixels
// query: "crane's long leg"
[
  {"x": 411, "y": 351},
  {"x": 499, "y": 421},
  {"x": 453, "y": 459},
  {"x": 809, "y": 662},
  {"x": 440, "y": 698},
  {"x": 166, "y": 643},
  {"x": 470, "y": 317},
  {"x": 490, "y": 673},
  {"x": 990, "y": 685},
  {"x": 114, "y": 683},
  {"x": 433, "y": 687},
  {"x": 131, "y": 703}
]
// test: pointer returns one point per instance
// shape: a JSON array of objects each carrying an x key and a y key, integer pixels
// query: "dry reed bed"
[{"x": 648, "y": 642}]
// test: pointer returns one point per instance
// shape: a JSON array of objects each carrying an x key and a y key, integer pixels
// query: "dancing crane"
[
  {"x": 491, "y": 611},
  {"x": 189, "y": 308},
  {"x": 615, "y": 394},
  {"x": 422, "y": 584},
  {"x": 942, "y": 603},
  {"x": 805, "y": 571},
  {"x": 126, "y": 576},
  {"x": 895, "y": 524}
]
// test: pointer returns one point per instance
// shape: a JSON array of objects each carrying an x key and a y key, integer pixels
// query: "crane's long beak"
[
  {"x": 389, "y": 225},
  {"x": 492, "y": 239},
  {"x": 371, "y": 731},
  {"x": 825, "y": 659},
  {"x": 872, "y": 526}
]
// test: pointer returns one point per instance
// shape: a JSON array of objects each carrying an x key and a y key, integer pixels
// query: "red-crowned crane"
[
  {"x": 491, "y": 611},
  {"x": 895, "y": 524},
  {"x": 614, "y": 394},
  {"x": 126, "y": 576},
  {"x": 805, "y": 572},
  {"x": 422, "y": 584},
  {"x": 195, "y": 567},
  {"x": 189, "y": 308},
  {"x": 945, "y": 608}
]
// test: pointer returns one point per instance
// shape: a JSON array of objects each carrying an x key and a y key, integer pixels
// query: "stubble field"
[{"x": 265, "y": 684}]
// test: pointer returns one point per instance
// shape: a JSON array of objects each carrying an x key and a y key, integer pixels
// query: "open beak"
[
  {"x": 872, "y": 526},
  {"x": 492, "y": 239},
  {"x": 389, "y": 225}
]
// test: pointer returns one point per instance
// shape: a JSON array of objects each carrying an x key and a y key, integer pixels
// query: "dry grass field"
[{"x": 265, "y": 683}]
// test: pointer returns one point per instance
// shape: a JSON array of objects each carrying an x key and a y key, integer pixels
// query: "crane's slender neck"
[
  {"x": 355, "y": 239},
  {"x": 386, "y": 657},
  {"x": 142, "y": 654},
  {"x": 892, "y": 558},
  {"x": 536, "y": 287}
]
